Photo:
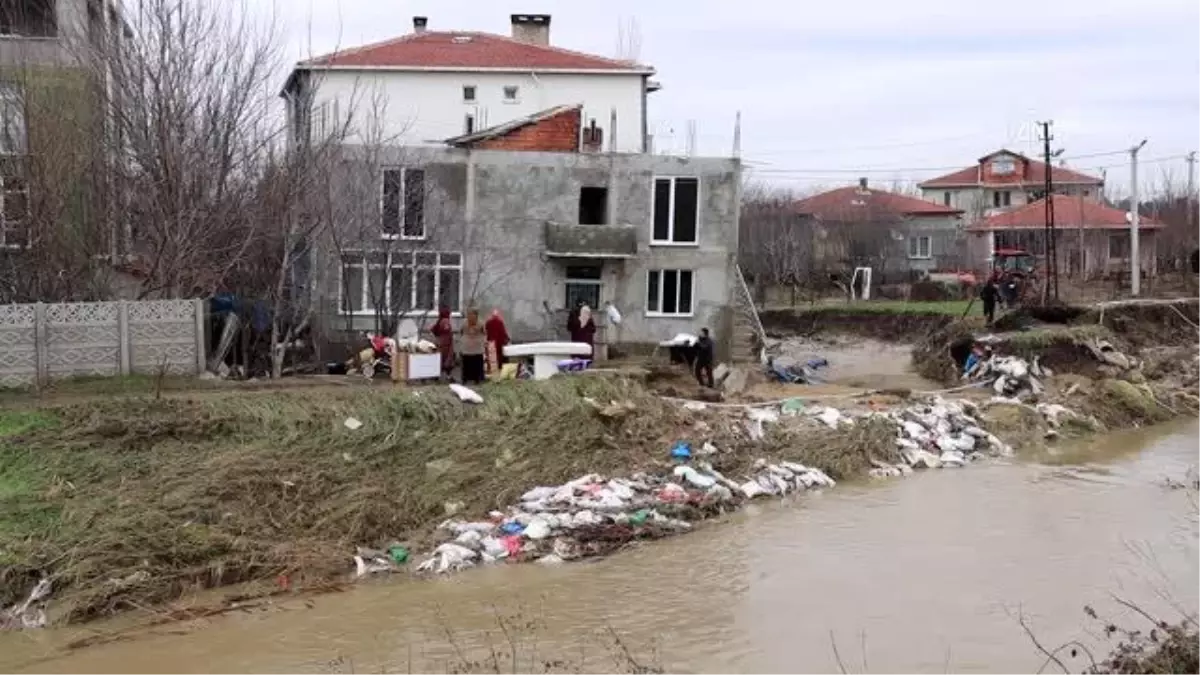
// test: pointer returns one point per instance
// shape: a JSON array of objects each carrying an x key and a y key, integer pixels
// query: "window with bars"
[
  {"x": 669, "y": 292},
  {"x": 400, "y": 282},
  {"x": 676, "y": 211},
  {"x": 402, "y": 203}
]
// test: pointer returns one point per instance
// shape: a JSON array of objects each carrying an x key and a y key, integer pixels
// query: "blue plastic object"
[
  {"x": 681, "y": 450},
  {"x": 512, "y": 528}
]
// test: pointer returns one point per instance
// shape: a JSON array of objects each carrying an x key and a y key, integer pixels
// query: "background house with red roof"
[
  {"x": 427, "y": 86},
  {"x": 1006, "y": 180},
  {"x": 1093, "y": 239},
  {"x": 892, "y": 233}
]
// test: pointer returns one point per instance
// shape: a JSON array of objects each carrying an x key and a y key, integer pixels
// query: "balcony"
[{"x": 590, "y": 241}]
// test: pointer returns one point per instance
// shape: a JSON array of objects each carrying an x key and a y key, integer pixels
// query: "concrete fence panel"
[{"x": 39, "y": 342}]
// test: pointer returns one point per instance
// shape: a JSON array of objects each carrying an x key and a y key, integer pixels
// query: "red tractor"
[{"x": 1016, "y": 274}]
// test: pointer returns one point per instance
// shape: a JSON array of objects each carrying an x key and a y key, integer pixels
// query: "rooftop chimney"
[
  {"x": 862, "y": 184},
  {"x": 531, "y": 29},
  {"x": 419, "y": 23}
]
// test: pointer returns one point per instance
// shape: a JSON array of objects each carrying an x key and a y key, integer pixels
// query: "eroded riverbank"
[{"x": 933, "y": 570}]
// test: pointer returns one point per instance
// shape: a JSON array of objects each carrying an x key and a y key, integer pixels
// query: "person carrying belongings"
[{"x": 704, "y": 359}]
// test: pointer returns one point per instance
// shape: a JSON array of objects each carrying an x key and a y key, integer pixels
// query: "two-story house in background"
[
  {"x": 427, "y": 86},
  {"x": 1004, "y": 202},
  {"x": 893, "y": 233},
  {"x": 48, "y": 103},
  {"x": 1003, "y": 180},
  {"x": 546, "y": 205}
]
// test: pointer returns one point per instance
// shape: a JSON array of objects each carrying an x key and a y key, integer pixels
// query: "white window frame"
[
  {"x": 399, "y": 235},
  {"x": 670, "y": 240},
  {"x": 12, "y": 112},
  {"x": 917, "y": 239},
  {"x": 474, "y": 93},
  {"x": 947, "y": 198},
  {"x": 670, "y": 315},
  {"x": 397, "y": 260},
  {"x": 516, "y": 97}
]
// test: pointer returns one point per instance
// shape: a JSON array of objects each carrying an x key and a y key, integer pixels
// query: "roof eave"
[{"x": 643, "y": 70}]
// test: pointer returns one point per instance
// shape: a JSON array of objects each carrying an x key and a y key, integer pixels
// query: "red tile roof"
[
  {"x": 1069, "y": 214},
  {"x": 553, "y": 130},
  {"x": 1029, "y": 172},
  {"x": 468, "y": 50},
  {"x": 850, "y": 202}
]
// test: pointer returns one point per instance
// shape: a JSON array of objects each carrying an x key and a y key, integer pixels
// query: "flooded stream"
[{"x": 928, "y": 573}]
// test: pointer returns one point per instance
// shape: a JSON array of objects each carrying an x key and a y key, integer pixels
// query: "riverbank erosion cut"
[{"x": 129, "y": 503}]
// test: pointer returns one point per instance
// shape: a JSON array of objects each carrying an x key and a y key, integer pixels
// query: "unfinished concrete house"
[
  {"x": 542, "y": 197},
  {"x": 518, "y": 218}
]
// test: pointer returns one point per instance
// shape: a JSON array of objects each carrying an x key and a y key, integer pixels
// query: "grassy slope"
[{"x": 129, "y": 502}]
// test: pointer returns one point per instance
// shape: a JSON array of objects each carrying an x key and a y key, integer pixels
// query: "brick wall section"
[{"x": 559, "y": 133}]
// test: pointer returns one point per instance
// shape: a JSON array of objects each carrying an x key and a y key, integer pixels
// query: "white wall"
[{"x": 421, "y": 107}]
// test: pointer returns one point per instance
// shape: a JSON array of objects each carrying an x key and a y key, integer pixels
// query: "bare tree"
[{"x": 190, "y": 136}]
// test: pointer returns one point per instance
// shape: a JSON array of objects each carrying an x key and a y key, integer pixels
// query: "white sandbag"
[
  {"x": 552, "y": 559},
  {"x": 830, "y": 416},
  {"x": 694, "y": 478},
  {"x": 538, "y": 494},
  {"x": 470, "y": 538},
  {"x": 537, "y": 528},
  {"x": 916, "y": 432},
  {"x": 752, "y": 489},
  {"x": 923, "y": 459},
  {"x": 953, "y": 458},
  {"x": 621, "y": 490},
  {"x": 465, "y": 395},
  {"x": 493, "y": 547},
  {"x": 975, "y": 431},
  {"x": 719, "y": 493}
]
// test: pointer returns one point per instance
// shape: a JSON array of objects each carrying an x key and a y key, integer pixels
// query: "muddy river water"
[{"x": 929, "y": 573}]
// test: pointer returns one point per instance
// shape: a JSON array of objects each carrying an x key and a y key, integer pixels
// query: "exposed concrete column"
[{"x": 469, "y": 208}]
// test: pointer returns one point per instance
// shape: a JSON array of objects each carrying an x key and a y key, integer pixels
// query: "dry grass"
[{"x": 132, "y": 502}]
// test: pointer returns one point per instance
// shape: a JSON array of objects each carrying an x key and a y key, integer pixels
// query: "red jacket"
[{"x": 496, "y": 331}]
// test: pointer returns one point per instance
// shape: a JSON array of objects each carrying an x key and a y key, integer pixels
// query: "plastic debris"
[
  {"x": 792, "y": 407},
  {"x": 31, "y": 613},
  {"x": 830, "y": 416},
  {"x": 681, "y": 450},
  {"x": 352, "y": 423},
  {"x": 398, "y": 554},
  {"x": 695, "y": 478},
  {"x": 465, "y": 394}
]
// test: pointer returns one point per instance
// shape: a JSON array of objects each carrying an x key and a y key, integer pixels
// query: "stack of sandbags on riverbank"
[{"x": 593, "y": 515}]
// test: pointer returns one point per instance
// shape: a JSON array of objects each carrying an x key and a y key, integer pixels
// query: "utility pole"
[
  {"x": 1135, "y": 260},
  {"x": 1191, "y": 190},
  {"x": 1051, "y": 234}
]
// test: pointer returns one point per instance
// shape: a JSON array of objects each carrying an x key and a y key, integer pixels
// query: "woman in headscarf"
[
  {"x": 474, "y": 343},
  {"x": 443, "y": 330},
  {"x": 585, "y": 332},
  {"x": 497, "y": 335}
]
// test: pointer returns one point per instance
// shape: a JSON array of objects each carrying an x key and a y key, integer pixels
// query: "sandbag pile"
[
  {"x": 1011, "y": 376},
  {"x": 594, "y": 515}
]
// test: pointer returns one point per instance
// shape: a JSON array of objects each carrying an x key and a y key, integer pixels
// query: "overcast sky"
[{"x": 890, "y": 90}]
